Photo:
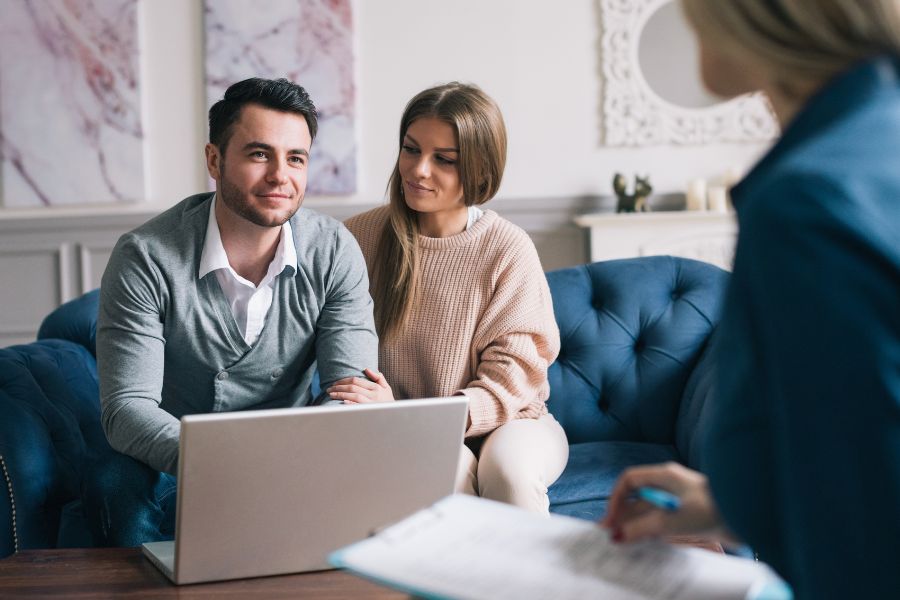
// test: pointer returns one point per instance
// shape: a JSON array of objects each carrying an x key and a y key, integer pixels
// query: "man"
[{"x": 227, "y": 301}]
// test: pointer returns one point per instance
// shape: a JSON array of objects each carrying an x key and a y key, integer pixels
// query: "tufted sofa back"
[
  {"x": 632, "y": 332},
  {"x": 634, "y": 367}
]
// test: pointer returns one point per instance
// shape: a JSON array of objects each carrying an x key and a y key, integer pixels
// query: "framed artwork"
[
  {"x": 70, "y": 111},
  {"x": 309, "y": 42}
]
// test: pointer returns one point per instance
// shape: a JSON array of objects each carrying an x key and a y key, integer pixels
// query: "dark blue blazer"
[{"x": 804, "y": 451}]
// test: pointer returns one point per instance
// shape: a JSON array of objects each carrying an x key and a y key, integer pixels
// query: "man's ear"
[{"x": 213, "y": 160}]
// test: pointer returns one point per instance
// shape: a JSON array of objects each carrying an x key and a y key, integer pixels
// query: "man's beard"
[{"x": 233, "y": 198}]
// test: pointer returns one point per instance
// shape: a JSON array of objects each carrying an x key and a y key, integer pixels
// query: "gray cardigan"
[{"x": 168, "y": 345}]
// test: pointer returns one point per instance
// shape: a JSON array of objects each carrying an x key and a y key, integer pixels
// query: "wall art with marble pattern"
[
  {"x": 70, "y": 114},
  {"x": 311, "y": 43}
]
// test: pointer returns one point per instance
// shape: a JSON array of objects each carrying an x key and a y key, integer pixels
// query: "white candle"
[
  {"x": 731, "y": 177},
  {"x": 695, "y": 199},
  {"x": 717, "y": 198}
]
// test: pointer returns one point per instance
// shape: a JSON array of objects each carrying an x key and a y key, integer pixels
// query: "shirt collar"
[{"x": 213, "y": 256}]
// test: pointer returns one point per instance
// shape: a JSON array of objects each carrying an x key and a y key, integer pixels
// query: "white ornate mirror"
[{"x": 652, "y": 92}]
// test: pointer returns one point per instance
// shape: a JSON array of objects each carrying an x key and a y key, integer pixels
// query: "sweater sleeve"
[
  {"x": 515, "y": 342},
  {"x": 346, "y": 342},
  {"x": 130, "y": 358}
]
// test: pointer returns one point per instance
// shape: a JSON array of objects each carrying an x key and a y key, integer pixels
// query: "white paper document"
[{"x": 469, "y": 548}]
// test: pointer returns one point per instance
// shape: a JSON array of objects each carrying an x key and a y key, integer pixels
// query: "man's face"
[{"x": 262, "y": 175}]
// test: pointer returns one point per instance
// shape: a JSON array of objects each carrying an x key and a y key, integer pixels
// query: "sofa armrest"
[
  {"x": 49, "y": 430},
  {"x": 75, "y": 321},
  {"x": 691, "y": 423}
]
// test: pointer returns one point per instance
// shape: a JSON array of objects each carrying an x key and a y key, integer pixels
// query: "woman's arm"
[{"x": 515, "y": 342}]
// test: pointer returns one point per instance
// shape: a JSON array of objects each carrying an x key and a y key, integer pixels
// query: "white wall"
[{"x": 539, "y": 60}]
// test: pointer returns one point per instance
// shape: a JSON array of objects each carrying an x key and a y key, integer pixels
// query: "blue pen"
[{"x": 659, "y": 498}]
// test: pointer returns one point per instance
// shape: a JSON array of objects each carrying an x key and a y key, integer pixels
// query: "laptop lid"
[{"x": 275, "y": 491}]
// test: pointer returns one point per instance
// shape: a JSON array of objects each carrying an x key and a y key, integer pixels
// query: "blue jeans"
[{"x": 128, "y": 503}]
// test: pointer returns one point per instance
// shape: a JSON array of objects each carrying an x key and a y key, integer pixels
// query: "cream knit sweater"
[{"x": 484, "y": 325}]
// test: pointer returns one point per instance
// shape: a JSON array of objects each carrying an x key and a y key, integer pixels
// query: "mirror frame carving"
[{"x": 634, "y": 115}]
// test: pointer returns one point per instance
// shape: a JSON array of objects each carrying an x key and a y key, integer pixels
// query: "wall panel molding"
[
  {"x": 34, "y": 276},
  {"x": 47, "y": 260},
  {"x": 89, "y": 255}
]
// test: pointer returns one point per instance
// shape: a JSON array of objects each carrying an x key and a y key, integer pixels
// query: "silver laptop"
[{"x": 275, "y": 491}]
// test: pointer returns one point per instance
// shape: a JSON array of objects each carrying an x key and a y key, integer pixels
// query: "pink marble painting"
[
  {"x": 311, "y": 43},
  {"x": 70, "y": 117}
]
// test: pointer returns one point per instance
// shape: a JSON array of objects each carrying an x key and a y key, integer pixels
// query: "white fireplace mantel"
[{"x": 706, "y": 236}]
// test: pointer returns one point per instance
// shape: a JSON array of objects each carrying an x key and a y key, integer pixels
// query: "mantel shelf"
[
  {"x": 674, "y": 216},
  {"x": 706, "y": 236}
]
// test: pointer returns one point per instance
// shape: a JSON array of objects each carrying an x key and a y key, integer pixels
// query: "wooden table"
[
  {"x": 117, "y": 572},
  {"x": 124, "y": 572}
]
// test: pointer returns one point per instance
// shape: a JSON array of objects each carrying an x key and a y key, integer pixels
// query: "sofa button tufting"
[
  {"x": 222, "y": 376},
  {"x": 276, "y": 373}
]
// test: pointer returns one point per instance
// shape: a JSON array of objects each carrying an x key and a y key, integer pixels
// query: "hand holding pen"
[{"x": 657, "y": 500}]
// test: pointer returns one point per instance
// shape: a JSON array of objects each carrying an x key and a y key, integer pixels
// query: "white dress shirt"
[{"x": 249, "y": 303}]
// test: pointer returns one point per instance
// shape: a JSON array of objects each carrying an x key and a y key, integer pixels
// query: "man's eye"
[
  {"x": 297, "y": 160},
  {"x": 258, "y": 154}
]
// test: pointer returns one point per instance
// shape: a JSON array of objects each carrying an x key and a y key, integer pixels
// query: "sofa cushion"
[
  {"x": 586, "y": 483},
  {"x": 631, "y": 331}
]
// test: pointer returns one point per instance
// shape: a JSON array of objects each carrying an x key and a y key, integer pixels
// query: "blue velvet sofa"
[
  {"x": 634, "y": 370},
  {"x": 629, "y": 387}
]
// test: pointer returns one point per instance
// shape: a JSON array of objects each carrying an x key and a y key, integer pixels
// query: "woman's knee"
[
  {"x": 528, "y": 448},
  {"x": 466, "y": 473},
  {"x": 520, "y": 460}
]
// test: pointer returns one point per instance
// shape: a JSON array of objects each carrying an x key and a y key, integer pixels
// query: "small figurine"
[{"x": 635, "y": 201}]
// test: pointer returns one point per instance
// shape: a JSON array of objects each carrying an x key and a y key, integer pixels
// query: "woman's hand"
[
  {"x": 630, "y": 519},
  {"x": 356, "y": 390}
]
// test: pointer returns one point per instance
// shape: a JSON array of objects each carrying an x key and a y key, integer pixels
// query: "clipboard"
[{"x": 470, "y": 548}]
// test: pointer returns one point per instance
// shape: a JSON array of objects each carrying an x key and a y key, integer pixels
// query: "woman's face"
[{"x": 429, "y": 169}]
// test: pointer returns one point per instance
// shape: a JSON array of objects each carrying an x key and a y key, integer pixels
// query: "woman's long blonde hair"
[
  {"x": 481, "y": 138},
  {"x": 800, "y": 40}
]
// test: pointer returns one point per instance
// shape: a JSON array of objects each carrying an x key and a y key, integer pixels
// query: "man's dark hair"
[{"x": 277, "y": 94}]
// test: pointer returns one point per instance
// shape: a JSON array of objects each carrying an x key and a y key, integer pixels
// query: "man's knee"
[
  {"x": 120, "y": 501},
  {"x": 115, "y": 474}
]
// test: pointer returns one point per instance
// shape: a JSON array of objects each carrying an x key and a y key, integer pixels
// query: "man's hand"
[
  {"x": 356, "y": 390},
  {"x": 630, "y": 519}
]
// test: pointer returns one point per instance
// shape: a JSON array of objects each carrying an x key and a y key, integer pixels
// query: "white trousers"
[{"x": 517, "y": 462}]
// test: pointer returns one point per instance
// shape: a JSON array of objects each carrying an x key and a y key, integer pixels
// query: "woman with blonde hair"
[
  {"x": 461, "y": 302},
  {"x": 803, "y": 457}
]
